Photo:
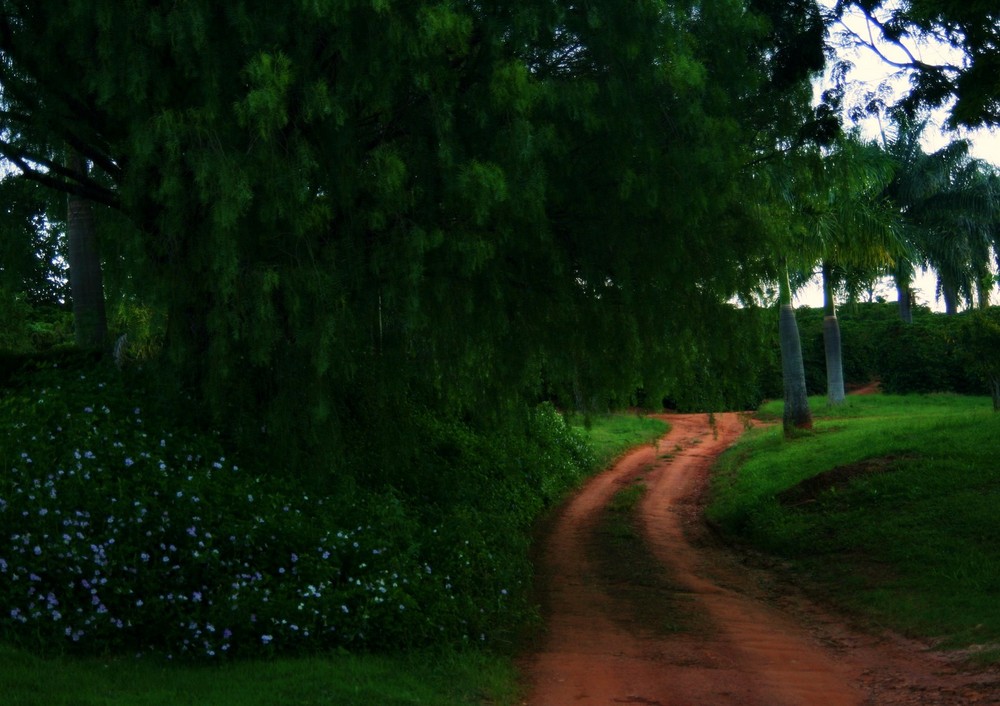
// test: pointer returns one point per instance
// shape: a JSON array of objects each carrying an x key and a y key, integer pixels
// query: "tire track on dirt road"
[{"x": 752, "y": 641}]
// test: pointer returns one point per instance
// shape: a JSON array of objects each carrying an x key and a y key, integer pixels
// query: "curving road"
[{"x": 748, "y": 639}]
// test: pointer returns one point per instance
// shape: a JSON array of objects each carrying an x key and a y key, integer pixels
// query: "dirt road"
[{"x": 738, "y": 635}]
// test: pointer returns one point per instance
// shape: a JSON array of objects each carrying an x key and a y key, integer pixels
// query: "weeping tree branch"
[{"x": 894, "y": 39}]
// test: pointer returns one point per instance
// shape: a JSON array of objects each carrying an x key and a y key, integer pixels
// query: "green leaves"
[
  {"x": 265, "y": 107},
  {"x": 339, "y": 203},
  {"x": 483, "y": 186}
]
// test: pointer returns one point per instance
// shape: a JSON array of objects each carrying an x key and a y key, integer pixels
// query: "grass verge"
[
  {"x": 425, "y": 679},
  {"x": 612, "y": 435},
  {"x": 888, "y": 507}
]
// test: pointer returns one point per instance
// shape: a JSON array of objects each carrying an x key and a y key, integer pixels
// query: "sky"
[{"x": 868, "y": 74}]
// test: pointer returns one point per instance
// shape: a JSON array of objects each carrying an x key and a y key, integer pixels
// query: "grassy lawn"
[
  {"x": 445, "y": 678},
  {"x": 889, "y": 506}
]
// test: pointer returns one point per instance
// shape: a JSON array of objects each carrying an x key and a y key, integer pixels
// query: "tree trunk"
[
  {"x": 834, "y": 361},
  {"x": 950, "y": 296},
  {"x": 797, "y": 414},
  {"x": 984, "y": 287},
  {"x": 905, "y": 299},
  {"x": 831, "y": 342},
  {"x": 85, "y": 275}
]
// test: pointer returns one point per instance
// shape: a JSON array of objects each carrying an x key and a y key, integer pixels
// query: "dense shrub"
[
  {"x": 28, "y": 328},
  {"x": 120, "y": 531},
  {"x": 927, "y": 355},
  {"x": 736, "y": 372},
  {"x": 864, "y": 334}
]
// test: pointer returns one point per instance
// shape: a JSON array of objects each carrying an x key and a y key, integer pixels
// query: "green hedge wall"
[{"x": 929, "y": 355}]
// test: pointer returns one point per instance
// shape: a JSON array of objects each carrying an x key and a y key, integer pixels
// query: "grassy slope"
[
  {"x": 443, "y": 679},
  {"x": 900, "y": 521}
]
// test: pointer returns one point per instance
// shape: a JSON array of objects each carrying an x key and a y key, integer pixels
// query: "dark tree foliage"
[
  {"x": 344, "y": 205},
  {"x": 971, "y": 26},
  {"x": 30, "y": 224}
]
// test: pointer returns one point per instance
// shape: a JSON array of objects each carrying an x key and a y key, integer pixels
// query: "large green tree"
[
  {"x": 31, "y": 223},
  {"x": 344, "y": 205}
]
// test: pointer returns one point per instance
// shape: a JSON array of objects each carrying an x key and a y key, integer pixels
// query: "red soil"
[{"x": 758, "y": 641}]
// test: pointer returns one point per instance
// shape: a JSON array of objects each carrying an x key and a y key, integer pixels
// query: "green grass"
[
  {"x": 888, "y": 507},
  {"x": 614, "y": 434},
  {"x": 444, "y": 679}
]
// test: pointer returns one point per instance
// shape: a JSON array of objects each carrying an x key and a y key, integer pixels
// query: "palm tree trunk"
[
  {"x": 832, "y": 342},
  {"x": 85, "y": 275},
  {"x": 984, "y": 287},
  {"x": 950, "y": 295},
  {"x": 905, "y": 299},
  {"x": 797, "y": 414}
]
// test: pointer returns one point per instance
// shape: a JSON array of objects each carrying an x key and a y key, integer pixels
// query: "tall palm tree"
[
  {"x": 950, "y": 208},
  {"x": 963, "y": 239},
  {"x": 847, "y": 225}
]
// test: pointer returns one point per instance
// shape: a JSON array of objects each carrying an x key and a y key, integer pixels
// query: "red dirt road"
[{"x": 756, "y": 641}]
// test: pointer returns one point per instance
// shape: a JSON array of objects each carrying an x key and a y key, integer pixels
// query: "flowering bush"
[{"x": 117, "y": 534}]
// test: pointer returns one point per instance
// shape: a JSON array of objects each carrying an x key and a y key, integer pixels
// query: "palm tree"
[
  {"x": 962, "y": 240},
  {"x": 847, "y": 225},
  {"x": 950, "y": 207}
]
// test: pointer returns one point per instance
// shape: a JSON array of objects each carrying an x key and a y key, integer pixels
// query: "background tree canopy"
[
  {"x": 342, "y": 205},
  {"x": 970, "y": 27}
]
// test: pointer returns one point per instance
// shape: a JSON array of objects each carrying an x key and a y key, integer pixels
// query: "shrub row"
[{"x": 935, "y": 353}]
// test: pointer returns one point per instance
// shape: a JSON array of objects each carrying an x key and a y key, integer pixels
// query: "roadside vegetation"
[
  {"x": 887, "y": 508},
  {"x": 136, "y": 549},
  {"x": 612, "y": 435}
]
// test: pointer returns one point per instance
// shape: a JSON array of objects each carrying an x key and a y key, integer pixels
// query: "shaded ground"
[{"x": 654, "y": 611}]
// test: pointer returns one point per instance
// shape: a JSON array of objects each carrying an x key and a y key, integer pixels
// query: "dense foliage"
[
  {"x": 120, "y": 531},
  {"x": 340, "y": 206},
  {"x": 360, "y": 241},
  {"x": 934, "y": 353}
]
